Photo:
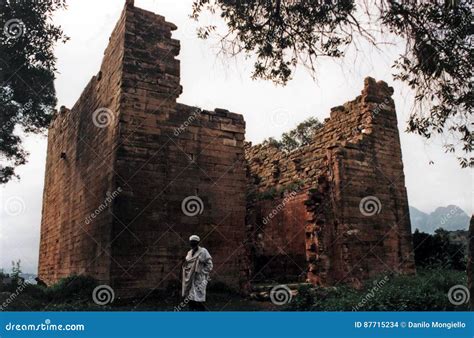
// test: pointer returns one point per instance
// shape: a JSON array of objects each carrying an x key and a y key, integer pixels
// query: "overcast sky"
[{"x": 209, "y": 82}]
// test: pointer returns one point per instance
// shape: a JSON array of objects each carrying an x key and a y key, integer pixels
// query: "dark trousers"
[{"x": 196, "y": 306}]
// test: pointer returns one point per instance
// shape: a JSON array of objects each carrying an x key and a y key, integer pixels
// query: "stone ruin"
[{"x": 131, "y": 174}]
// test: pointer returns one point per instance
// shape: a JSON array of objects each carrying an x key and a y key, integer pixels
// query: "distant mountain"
[
  {"x": 29, "y": 277},
  {"x": 450, "y": 218},
  {"x": 418, "y": 219}
]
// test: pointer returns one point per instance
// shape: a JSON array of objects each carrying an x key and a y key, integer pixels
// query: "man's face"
[{"x": 193, "y": 244}]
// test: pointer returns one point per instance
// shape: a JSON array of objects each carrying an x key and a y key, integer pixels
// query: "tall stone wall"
[
  {"x": 80, "y": 175},
  {"x": 124, "y": 162},
  {"x": 277, "y": 237},
  {"x": 133, "y": 171},
  {"x": 354, "y": 158}
]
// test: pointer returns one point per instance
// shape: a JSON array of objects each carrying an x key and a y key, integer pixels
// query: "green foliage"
[
  {"x": 268, "y": 194},
  {"x": 438, "y": 250},
  {"x": 294, "y": 186},
  {"x": 298, "y": 137},
  {"x": 68, "y": 294},
  {"x": 16, "y": 270},
  {"x": 14, "y": 277},
  {"x": 427, "y": 291},
  {"x": 34, "y": 291},
  {"x": 437, "y": 62},
  {"x": 272, "y": 193},
  {"x": 27, "y": 66},
  {"x": 279, "y": 32},
  {"x": 72, "y": 288}
]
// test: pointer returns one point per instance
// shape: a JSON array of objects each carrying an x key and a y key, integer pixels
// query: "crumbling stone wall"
[
  {"x": 277, "y": 237},
  {"x": 80, "y": 175},
  {"x": 354, "y": 158},
  {"x": 167, "y": 152},
  {"x": 149, "y": 153},
  {"x": 122, "y": 162}
]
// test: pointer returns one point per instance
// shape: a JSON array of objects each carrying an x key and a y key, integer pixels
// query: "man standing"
[{"x": 196, "y": 269}]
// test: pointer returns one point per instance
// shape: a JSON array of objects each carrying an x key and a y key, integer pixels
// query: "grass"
[
  {"x": 427, "y": 291},
  {"x": 74, "y": 293}
]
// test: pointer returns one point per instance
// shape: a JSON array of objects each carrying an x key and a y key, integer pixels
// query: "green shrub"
[
  {"x": 297, "y": 137},
  {"x": 427, "y": 291},
  {"x": 14, "y": 277},
  {"x": 34, "y": 291},
  {"x": 438, "y": 250},
  {"x": 72, "y": 288}
]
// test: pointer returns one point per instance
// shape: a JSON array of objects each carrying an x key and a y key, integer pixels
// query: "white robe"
[{"x": 196, "y": 269}]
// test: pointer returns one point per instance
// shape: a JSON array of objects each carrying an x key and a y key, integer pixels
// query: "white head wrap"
[{"x": 194, "y": 238}]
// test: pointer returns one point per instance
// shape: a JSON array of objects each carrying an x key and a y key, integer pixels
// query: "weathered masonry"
[
  {"x": 127, "y": 137},
  {"x": 131, "y": 173},
  {"x": 345, "y": 215}
]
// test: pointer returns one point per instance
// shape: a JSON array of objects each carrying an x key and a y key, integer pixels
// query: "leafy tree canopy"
[
  {"x": 438, "y": 250},
  {"x": 437, "y": 62},
  {"x": 298, "y": 137},
  {"x": 27, "y": 66}
]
